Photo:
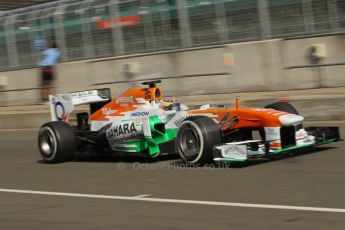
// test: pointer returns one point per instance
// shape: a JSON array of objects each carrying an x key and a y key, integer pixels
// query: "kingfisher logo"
[
  {"x": 140, "y": 114},
  {"x": 125, "y": 100}
]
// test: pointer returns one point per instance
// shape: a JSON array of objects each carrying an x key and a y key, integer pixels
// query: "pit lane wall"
[{"x": 239, "y": 67}]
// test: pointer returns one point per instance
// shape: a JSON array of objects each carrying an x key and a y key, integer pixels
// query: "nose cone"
[{"x": 290, "y": 119}]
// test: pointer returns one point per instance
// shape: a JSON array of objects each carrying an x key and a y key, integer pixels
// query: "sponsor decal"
[
  {"x": 60, "y": 111},
  {"x": 301, "y": 134},
  {"x": 114, "y": 142},
  {"x": 140, "y": 114},
  {"x": 130, "y": 138},
  {"x": 125, "y": 99},
  {"x": 85, "y": 93},
  {"x": 272, "y": 133},
  {"x": 121, "y": 130},
  {"x": 234, "y": 151},
  {"x": 125, "y": 21},
  {"x": 108, "y": 111},
  {"x": 175, "y": 120},
  {"x": 178, "y": 122},
  {"x": 262, "y": 109}
]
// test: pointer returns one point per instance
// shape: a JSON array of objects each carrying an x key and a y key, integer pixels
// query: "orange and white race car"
[{"x": 141, "y": 122}]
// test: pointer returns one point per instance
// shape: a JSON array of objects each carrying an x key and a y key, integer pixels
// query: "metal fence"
[{"x": 103, "y": 28}]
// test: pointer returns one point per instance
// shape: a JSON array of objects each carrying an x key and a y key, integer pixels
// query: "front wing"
[{"x": 257, "y": 149}]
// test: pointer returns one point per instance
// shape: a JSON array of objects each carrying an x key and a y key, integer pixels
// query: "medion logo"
[
  {"x": 121, "y": 130},
  {"x": 140, "y": 114}
]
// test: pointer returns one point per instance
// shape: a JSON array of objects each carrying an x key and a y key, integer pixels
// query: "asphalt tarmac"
[{"x": 305, "y": 191}]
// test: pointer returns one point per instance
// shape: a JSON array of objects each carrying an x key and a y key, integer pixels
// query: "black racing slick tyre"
[
  {"x": 56, "y": 142},
  {"x": 196, "y": 138},
  {"x": 283, "y": 106}
]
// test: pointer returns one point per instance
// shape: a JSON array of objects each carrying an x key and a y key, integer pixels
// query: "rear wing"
[{"x": 62, "y": 105}]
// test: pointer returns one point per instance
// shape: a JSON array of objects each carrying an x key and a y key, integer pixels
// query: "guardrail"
[
  {"x": 5, "y": 102},
  {"x": 26, "y": 89},
  {"x": 314, "y": 65},
  {"x": 318, "y": 75},
  {"x": 163, "y": 78},
  {"x": 24, "y": 101}
]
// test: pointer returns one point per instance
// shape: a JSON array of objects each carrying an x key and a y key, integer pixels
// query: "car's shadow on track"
[
  {"x": 174, "y": 161},
  {"x": 118, "y": 159},
  {"x": 253, "y": 162},
  {"x": 125, "y": 159}
]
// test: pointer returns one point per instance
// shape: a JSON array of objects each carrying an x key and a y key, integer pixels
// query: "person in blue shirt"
[{"x": 49, "y": 58}]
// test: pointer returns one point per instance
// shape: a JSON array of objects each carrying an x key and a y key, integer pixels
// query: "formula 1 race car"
[{"x": 140, "y": 122}]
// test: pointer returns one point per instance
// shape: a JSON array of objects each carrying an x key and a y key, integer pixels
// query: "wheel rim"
[
  {"x": 190, "y": 143},
  {"x": 47, "y": 142}
]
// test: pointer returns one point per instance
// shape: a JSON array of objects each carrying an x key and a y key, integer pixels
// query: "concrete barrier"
[
  {"x": 19, "y": 79},
  {"x": 296, "y": 54},
  {"x": 256, "y": 66}
]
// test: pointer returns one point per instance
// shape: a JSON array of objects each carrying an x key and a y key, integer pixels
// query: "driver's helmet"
[{"x": 169, "y": 103}]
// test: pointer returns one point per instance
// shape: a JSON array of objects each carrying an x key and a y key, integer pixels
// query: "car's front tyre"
[
  {"x": 196, "y": 138},
  {"x": 283, "y": 106}
]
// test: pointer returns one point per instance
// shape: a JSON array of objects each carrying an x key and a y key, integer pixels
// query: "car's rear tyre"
[
  {"x": 56, "y": 142},
  {"x": 283, "y": 106},
  {"x": 196, "y": 138}
]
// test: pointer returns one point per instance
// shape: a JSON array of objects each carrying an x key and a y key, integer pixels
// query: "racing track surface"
[{"x": 309, "y": 180}]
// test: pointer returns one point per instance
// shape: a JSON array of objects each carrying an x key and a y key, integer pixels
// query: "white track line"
[
  {"x": 178, "y": 201},
  {"x": 141, "y": 196},
  {"x": 18, "y": 130}
]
